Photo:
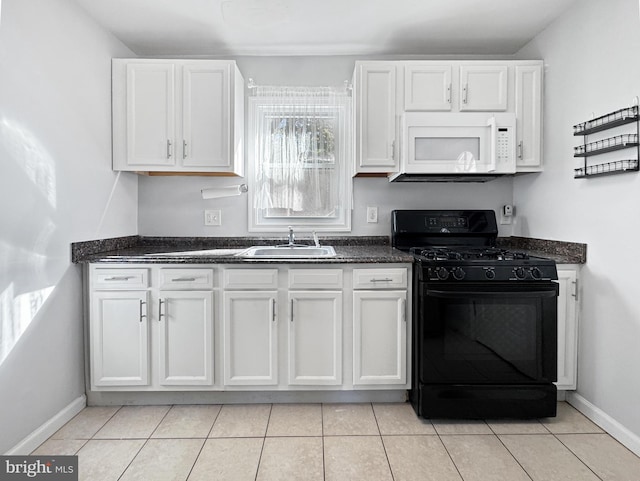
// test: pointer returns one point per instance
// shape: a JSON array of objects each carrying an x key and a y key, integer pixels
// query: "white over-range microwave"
[{"x": 457, "y": 146}]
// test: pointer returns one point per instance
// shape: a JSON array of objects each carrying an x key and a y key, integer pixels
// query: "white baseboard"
[
  {"x": 46, "y": 430},
  {"x": 606, "y": 422}
]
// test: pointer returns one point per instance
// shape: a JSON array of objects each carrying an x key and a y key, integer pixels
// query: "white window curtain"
[{"x": 302, "y": 143}]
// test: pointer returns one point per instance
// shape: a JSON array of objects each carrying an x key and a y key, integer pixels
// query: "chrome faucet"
[
  {"x": 292, "y": 237},
  {"x": 316, "y": 241}
]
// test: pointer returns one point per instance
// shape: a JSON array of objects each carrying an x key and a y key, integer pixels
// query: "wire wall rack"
[{"x": 611, "y": 120}]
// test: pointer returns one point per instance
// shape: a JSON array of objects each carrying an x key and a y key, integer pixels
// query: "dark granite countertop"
[
  {"x": 222, "y": 250},
  {"x": 560, "y": 251},
  {"x": 146, "y": 250}
]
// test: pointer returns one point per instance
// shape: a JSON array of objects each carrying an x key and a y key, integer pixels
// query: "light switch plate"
[{"x": 372, "y": 215}]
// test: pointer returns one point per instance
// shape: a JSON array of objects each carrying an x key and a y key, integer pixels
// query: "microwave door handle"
[{"x": 494, "y": 136}]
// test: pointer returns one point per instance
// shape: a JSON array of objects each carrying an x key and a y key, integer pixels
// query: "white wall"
[
  {"x": 56, "y": 187},
  {"x": 591, "y": 55},
  {"x": 173, "y": 206}
]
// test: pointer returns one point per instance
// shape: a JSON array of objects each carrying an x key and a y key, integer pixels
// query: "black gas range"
[{"x": 484, "y": 338}]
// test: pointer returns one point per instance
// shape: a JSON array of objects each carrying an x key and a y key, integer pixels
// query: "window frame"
[{"x": 257, "y": 221}]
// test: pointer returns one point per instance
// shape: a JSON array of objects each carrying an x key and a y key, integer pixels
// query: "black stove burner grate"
[{"x": 468, "y": 253}]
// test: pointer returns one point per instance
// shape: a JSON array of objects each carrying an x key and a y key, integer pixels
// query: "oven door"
[{"x": 487, "y": 333}]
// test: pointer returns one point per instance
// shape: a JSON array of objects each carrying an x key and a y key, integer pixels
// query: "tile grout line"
[
  {"x": 384, "y": 448},
  {"x": 264, "y": 440},
  {"x": 447, "y": 451},
  {"x": 324, "y": 467},
  {"x": 145, "y": 442},
  {"x": 510, "y": 453},
  {"x": 214, "y": 421},
  {"x": 133, "y": 459},
  {"x": 576, "y": 456}
]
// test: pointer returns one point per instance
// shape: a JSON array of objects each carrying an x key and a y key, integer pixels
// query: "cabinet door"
[
  {"x": 528, "y": 117},
  {"x": 379, "y": 337},
  {"x": 567, "y": 329},
  {"x": 119, "y": 338},
  {"x": 250, "y": 338},
  {"x": 315, "y": 337},
  {"x": 150, "y": 114},
  {"x": 427, "y": 87},
  {"x": 185, "y": 342},
  {"x": 376, "y": 118},
  {"x": 206, "y": 115},
  {"x": 483, "y": 87}
]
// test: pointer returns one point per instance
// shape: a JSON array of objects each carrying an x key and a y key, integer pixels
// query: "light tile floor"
[{"x": 333, "y": 442}]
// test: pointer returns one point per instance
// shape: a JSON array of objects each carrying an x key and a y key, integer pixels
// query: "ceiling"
[{"x": 324, "y": 27}]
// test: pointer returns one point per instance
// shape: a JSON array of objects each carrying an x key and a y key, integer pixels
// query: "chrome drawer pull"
[
  {"x": 183, "y": 279},
  {"x": 118, "y": 278},
  {"x": 160, "y": 314},
  {"x": 141, "y": 314},
  {"x": 383, "y": 279}
]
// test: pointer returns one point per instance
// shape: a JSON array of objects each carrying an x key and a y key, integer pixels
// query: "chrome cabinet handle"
[
  {"x": 403, "y": 306},
  {"x": 118, "y": 278},
  {"x": 575, "y": 291},
  {"x": 141, "y": 314},
  {"x": 465, "y": 93},
  {"x": 183, "y": 279},
  {"x": 449, "y": 94},
  {"x": 382, "y": 279},
  {"x": 184, "y": 149},
  {"x": 273, "y": 309},
  {"x": 160, "y": 314},
  {"x": 291, "y": 318},
  {"x": 520, "y": 150},
  {"x": 168, "y": 149}
]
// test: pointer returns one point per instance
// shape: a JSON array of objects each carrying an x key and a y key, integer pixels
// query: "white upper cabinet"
[
  {"x": 427, "y": 87},
  {"x": 483, "y": 88},
  {"x": 385, "y": 91},
  {"x": 178, "y": 116},
  {"x": 528, "y": 99},
  {"x": 376, "y": 117}
]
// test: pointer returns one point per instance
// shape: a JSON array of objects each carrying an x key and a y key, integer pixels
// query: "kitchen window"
[{"x": 299, "y": 151}]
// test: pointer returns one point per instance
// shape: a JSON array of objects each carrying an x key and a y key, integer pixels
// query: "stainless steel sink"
[{"x": 297, "y": 252}]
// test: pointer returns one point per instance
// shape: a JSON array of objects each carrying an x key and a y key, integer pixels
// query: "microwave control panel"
[{"x": 504, "y": 145}]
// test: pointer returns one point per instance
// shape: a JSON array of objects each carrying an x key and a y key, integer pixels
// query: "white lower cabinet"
[
  {"x": 119, "y": 338},
  {"x": 379, "y": 337},
  {"x": 185, "y": 340},
  {"x": 315, "y": 338},
  {"x": 248, "y": 328},
  {"x": 567, "y": 327},
  {"x": 250, "y": 338}
]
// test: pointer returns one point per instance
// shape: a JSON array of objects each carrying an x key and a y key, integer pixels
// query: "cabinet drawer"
[
  {"x": 250, "y": 278},
  {"x": 315, "y": 278},
  {"x": 186, "y": 278},
  {"x": 120, "y": 279},
  {"x": 379, "y": 278}
]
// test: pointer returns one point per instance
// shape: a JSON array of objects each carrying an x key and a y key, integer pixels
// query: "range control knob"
[
  {"x": 520, "y": 273},
  {"x": 490, "y": 273},
  {"x": 442, "y": 273},
  {"x": 458, "y": 273},
  {"x": 535, "y": 273}
]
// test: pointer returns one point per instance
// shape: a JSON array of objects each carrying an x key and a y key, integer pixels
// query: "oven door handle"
[{"x": 466, "y": 294}]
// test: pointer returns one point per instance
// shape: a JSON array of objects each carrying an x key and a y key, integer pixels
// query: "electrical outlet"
[
  {"x": 212, "y": 217},
  {"x": 372, "y": 215},
  {"x": 506, "y": 214}
]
